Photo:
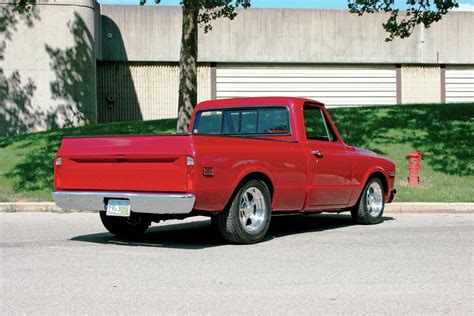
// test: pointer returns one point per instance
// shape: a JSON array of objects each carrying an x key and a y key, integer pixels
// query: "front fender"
[
  {"x": 363, "y": 180},
  {"x": 372, "y": 171}
]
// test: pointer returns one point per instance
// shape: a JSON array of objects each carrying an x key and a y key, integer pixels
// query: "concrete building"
[
  {"x": 48, "y": 65},
  {"x": 79, "y": 62}
]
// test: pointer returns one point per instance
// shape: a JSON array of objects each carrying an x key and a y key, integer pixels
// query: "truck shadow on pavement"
[{"x": 200, "y": 234}]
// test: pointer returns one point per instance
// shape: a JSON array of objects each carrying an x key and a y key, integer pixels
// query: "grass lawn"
[
  {"x": 444, "y": 133},
  {"x": 27, "y": 160}
]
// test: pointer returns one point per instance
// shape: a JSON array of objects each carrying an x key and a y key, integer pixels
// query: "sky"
[{"x": 464, "y": 5}]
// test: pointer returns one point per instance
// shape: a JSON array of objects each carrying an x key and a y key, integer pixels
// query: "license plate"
[{"x": 118, "y": 208}]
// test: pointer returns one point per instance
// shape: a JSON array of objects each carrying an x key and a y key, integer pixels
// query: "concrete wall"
[
  {"x": 47, "y": 66},
  {"x": 152, "y": 33}
]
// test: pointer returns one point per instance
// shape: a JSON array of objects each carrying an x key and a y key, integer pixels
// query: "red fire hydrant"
[{"x": 415, "y": 165}]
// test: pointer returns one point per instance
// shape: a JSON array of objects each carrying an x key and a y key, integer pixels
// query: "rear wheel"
[
  {"x": 125, "y": 227},
  {"x": 247, "y": 218},
  {"x": 371, "y": 204}
]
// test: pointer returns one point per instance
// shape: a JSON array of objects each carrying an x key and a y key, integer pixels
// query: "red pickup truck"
[{"x": 241, "y": 160}]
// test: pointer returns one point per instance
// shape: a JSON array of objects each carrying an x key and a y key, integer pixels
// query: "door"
[
  {"x": 329, "y": 164},
  {"x": 459, "y": 84},
  {"x": 330, "y": 84}
]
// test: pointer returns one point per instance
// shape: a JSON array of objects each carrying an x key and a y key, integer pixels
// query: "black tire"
[
  {"x": 362, "y": 212},
  {"x": 214, "y": 228},
  {"x": 124, "y": 227},
  {"x": 229, "y": 221}
]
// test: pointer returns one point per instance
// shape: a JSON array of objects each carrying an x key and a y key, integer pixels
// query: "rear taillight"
[
  {"x": 189, "y": 174},
  {"x": 57, "y": 171}
]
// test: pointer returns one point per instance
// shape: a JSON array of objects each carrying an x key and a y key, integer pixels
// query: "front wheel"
[
  {"x": 125, "y": 227},
  {"x": 371, "y": 204},
  {"x": 247, "y": 219}
]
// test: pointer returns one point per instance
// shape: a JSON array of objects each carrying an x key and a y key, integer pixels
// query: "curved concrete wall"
[{"x": 48, "y": 66}]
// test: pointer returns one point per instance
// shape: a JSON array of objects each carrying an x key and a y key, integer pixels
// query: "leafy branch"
[{"x": 402, "y": 23}]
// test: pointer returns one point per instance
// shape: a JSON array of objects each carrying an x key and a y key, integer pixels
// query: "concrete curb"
[
  {"x": 12, "y": 207},
  {"x": 411, "y": 207},
  {"x": 425, "y": 207}
]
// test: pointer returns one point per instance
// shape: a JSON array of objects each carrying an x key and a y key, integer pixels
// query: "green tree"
[
  {"x": 23, "y": 6},
  {"x": 202, "y": 12}
]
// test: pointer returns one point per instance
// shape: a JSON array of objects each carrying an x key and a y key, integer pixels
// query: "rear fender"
[{"x": 252, "y": 169}]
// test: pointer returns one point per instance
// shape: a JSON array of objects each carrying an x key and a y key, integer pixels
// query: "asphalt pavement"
[{"x": 54, "y": 263}]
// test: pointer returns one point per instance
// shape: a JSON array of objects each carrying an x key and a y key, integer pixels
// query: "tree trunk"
[{"x": 188, "y": 65}]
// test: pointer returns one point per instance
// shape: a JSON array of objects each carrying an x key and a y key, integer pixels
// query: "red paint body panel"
[
  {"x": 233, "y": 158},
  {"x": 300, "y": 180},
  {"x": 124, "y": 163}
]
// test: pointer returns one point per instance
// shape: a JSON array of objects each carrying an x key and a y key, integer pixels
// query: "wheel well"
[
  {"x": 252, "y": 176},
  {"x": 257, "y": 176},
  {"x": 382, "y": 178}
]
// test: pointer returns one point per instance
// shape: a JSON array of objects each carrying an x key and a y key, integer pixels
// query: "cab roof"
[{"x": 254, "y": 101}]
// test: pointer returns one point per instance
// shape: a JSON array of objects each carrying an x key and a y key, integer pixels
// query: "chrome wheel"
[
  {"x": 247, "y": 218},
  {"x": 252, "y": 209},
  {"x": 374, "y": 199}
]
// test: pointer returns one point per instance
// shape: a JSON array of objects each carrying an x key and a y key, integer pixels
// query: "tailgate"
[{"x": 124, "y": 163}]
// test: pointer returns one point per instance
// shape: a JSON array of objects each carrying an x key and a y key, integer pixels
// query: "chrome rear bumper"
[{"x": 139, "y": 202}]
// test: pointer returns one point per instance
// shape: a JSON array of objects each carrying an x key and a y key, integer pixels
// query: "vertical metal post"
[
  {"x": 213, "y": 81},
  {"x": 399, "y": 83},
  {"x": 443, "y": 83}
]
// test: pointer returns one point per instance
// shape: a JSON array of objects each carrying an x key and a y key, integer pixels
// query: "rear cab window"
[
  {"x": 210, "y": 122},
  {"x": 264, "y": 120}
]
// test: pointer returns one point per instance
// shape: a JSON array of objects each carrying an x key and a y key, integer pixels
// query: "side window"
[
  {"x": 316, "y": 125},
  {"x": 208, "y": 122},
  {"x": 232, "y": 122},
  {"x": 249, "y": 122},
  {"x": 273, "y": 121}
]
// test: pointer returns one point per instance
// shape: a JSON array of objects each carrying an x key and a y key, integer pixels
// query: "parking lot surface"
[{"x": 67, "y": 263}]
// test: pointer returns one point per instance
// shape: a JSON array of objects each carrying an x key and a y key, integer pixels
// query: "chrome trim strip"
[{"x": 159, "y": 203}]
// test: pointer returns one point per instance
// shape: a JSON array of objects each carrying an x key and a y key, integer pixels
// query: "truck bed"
[{"x": 124, "y": 163}]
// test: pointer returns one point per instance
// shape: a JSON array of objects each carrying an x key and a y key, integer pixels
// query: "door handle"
[{"x": 317, "y": 153}]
